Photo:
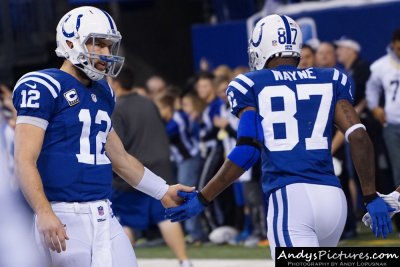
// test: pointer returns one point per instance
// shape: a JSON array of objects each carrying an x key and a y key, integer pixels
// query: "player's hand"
[
  {"x": 392, "y": 199},
  {"x": 379, "y": 114},
  {"x": 380, "y": 220},
  {"x": 220, "y": 122},
  {"x": 190, "y": 208},
  {"x": 171, "y": 198},
  {"x": 52, "y": 231}
]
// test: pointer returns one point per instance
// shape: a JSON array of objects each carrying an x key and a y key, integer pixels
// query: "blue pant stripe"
[
  {"x": 285, "y": 229},
  {"x": 275, "y": 221}
]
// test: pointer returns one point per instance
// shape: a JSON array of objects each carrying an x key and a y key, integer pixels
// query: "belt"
[{"x": 77, "y": 207}]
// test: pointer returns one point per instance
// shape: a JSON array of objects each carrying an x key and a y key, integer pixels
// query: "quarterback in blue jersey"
[
  {"x": 287, "y": 116},
  {"x": 66, "y": 148}
]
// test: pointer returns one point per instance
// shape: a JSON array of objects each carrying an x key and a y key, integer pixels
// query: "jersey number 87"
[{"x": 286, "y": 116}]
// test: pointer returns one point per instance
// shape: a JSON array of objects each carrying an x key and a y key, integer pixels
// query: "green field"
[{"x": 364, "y": 239}]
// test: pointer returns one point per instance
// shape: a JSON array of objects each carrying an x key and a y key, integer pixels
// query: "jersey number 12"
[{"x": 84, "y": 155}]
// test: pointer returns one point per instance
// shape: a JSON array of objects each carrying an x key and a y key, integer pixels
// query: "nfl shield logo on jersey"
[
  {"x": 72, "y": 97},
  {"x": 94, "y": 98},
  {"x": 100, "y": 209}
]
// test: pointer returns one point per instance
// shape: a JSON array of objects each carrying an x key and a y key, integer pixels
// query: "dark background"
[{"x": 156, "y": 33}]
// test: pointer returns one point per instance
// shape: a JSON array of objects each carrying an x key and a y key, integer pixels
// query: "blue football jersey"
[
  {"x": 297, "y": 108},
  {"x": 72, "y": 164},
  {"x": 208, "y": 132},
  {"x": 182, "y": 144}
]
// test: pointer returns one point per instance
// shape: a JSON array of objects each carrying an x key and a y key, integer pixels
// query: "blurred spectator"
[
  {"x": 185, "y": 154},
  {"x": 307, "y": 59},
  {"x": 17, "y": 247},
  {"x": 204, "y": 65},
  {"x": 221, "y": 84},
  {"x": 222, "y": 71},
  {"x": 247, "y": 192},
  {"x": 347, "y": 52},
  {"x": 193, "y": 106},
  {"x": 385, "y": 76},
  {"x": 137, "y": 122},
  {"x": 239, "y": 70},
  {"x": 348, "y": 55},
  {"x": 156, "y": 86},
  {"x": 212, "y": 151},
  {"x": 325, "y": 56},
  {"x": 175, "y": 92},
  {"x": 8, "y": 108},
  {"x": 141, "y": 90}
]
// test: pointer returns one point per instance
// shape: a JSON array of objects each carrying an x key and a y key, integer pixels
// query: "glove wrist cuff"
[
  {"x": 203, "y": 200},
  {"x": 368, "y": 198},
  {"x": 395, "y": 195}
]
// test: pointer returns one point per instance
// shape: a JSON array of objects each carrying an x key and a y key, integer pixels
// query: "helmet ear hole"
[{"x": 69, "y": 43}]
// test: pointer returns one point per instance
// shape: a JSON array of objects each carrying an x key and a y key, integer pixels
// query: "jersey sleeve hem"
[{"x": 41, "y": 123}]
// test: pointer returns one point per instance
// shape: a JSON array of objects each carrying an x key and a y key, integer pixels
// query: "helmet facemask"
[{"x": 88, "y": 60}]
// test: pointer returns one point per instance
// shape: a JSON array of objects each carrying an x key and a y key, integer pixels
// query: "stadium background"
[{"x": 170, "y": 37}]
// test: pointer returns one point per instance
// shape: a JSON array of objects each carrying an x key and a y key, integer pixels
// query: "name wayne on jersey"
[
  {"x": 297, "y": 109},
  {"x": 293, "y": 75},
  {"x": 76, "y": 119}
]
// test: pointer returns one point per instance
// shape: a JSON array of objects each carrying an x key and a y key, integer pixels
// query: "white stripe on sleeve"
[
  {"x": 38, "y": 80},
  {"x": 245, "y": 79},
  {"x": 335, "y": 75},
  {"x": 344, "y": 80},
  {"x": 41, "y": 123},
  {"x": 238, "y": 86}
]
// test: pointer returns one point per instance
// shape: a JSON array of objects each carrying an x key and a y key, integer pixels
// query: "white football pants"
[
  {"x": 306, "y": 215},
  {"x": 96, "y": 239}
]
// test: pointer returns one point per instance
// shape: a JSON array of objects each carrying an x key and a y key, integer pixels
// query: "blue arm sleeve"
[{"x": 246, "y": 154}]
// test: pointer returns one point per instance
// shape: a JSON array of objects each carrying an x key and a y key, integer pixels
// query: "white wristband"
[
  {"x": 352, "y": 129},
  {"x": 152, "y": 185}
]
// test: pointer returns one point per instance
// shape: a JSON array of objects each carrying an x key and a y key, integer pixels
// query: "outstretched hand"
[
  {"x": 172, "y": 198},
  {"x": 191, "y": 207},
  {"x": 379, "y": 217},
  {"x": 393, "y": 202}
]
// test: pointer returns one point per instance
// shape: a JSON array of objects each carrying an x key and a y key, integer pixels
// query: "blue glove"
[
  {"x": 191, "y": 207},
  {"x": 379, "y": 212}
]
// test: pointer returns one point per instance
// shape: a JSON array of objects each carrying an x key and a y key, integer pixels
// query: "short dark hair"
[
  {"x": 126, "y": 78},
  {"x": 396, "y": 35},
  {"x": 309, "y": 47},
  {"x": 205, "y": 75},
  {"x": 166, "y": 100}
]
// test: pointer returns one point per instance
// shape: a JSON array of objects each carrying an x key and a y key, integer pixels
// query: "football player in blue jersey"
[
  {"x": 66, "y": 148},
  {"x": 287, "y": 116}
]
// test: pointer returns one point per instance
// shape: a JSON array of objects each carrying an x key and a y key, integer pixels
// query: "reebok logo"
[{"x": 33, "y": 86}]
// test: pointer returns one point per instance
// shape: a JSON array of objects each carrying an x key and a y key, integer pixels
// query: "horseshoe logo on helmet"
[
  {"x": 78, "y": 25},
  {"x": 257, "y": 43}
]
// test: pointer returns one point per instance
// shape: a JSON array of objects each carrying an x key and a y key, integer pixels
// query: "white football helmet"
[
  {"x": 274, "y": 36},
  {"x": 84, "y": 25}
]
